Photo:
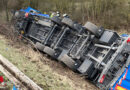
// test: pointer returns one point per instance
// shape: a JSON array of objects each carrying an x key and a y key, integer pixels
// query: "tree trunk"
[{"x": 6, "y": 9}]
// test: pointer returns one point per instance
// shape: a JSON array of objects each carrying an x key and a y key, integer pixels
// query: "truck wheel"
[
  {"x": 39, "y": 46},
  {"x": 68, "y": 22},
  {"x": 49, "y": 51},
  {"x": 68, "y": 62},
  {"x": 56, "y": 19},
  {"x": 92, "y": 28}
]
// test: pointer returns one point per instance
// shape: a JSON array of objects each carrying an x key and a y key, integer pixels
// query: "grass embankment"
[{"x": 42, "y": 74}]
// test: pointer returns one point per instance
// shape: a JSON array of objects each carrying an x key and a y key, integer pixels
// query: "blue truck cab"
[
  {"x": 29, "y": 11},
  {"x": 123, "y": 82},
  {"x": 34, "y": 12}
]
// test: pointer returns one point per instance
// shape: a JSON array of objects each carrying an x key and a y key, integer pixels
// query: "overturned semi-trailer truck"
[{"x": 100, "y": 54}]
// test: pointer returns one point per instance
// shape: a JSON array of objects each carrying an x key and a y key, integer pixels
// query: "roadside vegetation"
[
  {"x": 40, "y": 73},
  {"x": 112, "y": 14}
]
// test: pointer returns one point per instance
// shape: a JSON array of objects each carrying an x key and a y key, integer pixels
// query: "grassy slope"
[{"x": 41, "y": 74}]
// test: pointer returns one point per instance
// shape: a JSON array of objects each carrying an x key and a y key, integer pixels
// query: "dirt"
[
  {"x": 75, "y": 80},
  {"x": 78, "y": 80}
]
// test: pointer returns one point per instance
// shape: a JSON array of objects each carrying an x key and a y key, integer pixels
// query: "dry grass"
[
  {"x": 33, "y": 68},
  {"x": 37, "y": 67}
]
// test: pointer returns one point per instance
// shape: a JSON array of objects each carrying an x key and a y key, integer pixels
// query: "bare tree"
[{"x": 5, "y": 5}]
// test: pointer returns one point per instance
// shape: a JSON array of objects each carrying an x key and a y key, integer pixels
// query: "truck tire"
[
  {"x": 16, "y": 14},
  {"x": 49, "y": 51},
  {"x": 68, "y": 62},
  {"x": 39, "y": 46},
  {"x": 92, "y": 28},
  {"x": 68, "y": 22},
  {"x": 56, "y": 20},
  {"x": 19, "y": 14}
]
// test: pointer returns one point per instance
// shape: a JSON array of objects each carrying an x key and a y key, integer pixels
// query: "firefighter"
[{"x": 52, "y": 15}]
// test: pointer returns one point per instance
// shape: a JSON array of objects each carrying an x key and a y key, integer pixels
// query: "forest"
[{"x": 112, "y": 14}]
